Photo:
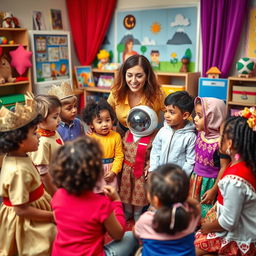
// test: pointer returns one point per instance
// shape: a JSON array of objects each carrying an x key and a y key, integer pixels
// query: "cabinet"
[
  {"x": 209, "y": 87},
  {"x": 103, "y": 80},
  {"x": 19, "y": 36},
  {"x": 235, "y": 103},
  {"x": 187, "y": 81}
]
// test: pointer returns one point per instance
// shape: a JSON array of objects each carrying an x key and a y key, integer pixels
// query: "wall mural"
[{"x": 165, "y": 36}]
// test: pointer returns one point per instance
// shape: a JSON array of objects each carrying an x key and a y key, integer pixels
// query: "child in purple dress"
[{"x": 210, "y": 113}]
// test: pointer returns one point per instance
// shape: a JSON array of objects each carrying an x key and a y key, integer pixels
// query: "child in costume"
[
  {"x": 230, "y": 229},
  {"x": 100, "y": 118},
  {"x": 70, "y": 126},
  {"x": 49, "y": 107},
  {"x": 210, "y": 114},
  {"x": 175, "y": 141},
  {"x": 168, "y": 227},
  {"x": 137, "y": 142},
  {"x": 26, "y": 219},
  {"x": 82, "y": 216}
]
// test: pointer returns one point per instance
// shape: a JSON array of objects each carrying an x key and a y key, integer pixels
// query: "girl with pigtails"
[{"x": 168, "y": 227}]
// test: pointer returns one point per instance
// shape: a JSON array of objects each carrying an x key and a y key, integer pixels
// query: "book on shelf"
[{"x": 105, "y": 81}]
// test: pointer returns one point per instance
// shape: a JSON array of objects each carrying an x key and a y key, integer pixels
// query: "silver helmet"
[{"x": 142, "y": 121}]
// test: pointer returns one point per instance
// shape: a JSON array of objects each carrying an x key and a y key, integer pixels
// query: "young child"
[
  {"x": 175, "y": 142},
  {"x": 100, "y": 118},
  {"x": 49, "y": 107},
  {"x": 26, "y": 219},
  {"x": 70, "y": 127},
  {"x": 232, "y": 230},
  {"x": 210, "y": 114},
  {"x": 83, "y": 217},
  {"x": 168, "y": 228},
  {"x": 137, "y": 142}
]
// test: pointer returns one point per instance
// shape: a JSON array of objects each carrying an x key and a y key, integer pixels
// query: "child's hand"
[
  {"x": 89, "y": 131},
  {"x": 206, "y": 228},
  {"x": 111, "y": 193},
  {"x": 209, "y": 197},
  {"x": 109, "y": 176}
]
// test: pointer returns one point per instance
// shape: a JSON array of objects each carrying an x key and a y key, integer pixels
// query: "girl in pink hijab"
[{"x": 210, "y": 114}]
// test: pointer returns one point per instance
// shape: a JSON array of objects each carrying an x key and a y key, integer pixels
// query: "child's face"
[
  {"x": 103, "y": 123},
  {"x": 69, "y": 112},
  {"x": 52, "y": 120},
  {"x": 174, "y": 117},
  {"x": 31, "y": 143},
  {"x": 199, "y": 118}
]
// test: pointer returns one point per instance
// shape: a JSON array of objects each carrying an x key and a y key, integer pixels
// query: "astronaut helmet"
[{"x": 142, "y": 121}]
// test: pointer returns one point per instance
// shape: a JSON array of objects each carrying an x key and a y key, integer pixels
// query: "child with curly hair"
[
  {"x": 168, "y": 228},
  {"x": 49, "y": 107},
  {"x": 82, "y": 216},
  {"x": 100, "y": 116},
  {"x": 26, "y": 219},
  {"x": 230, "y": 228}
]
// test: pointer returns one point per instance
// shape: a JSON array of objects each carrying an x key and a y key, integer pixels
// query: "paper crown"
[
  {"x": 62, "y": 92},
  {"x": 22, "y": 115}
]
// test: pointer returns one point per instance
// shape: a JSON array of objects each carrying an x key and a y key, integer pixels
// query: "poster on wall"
[
  {"x": 165, "y": 36},
  {"x": 251, "y": 38},
  {"x": 51, "y": 59}
]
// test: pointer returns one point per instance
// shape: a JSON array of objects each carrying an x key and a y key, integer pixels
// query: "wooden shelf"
[
  {"x": 14, "y": 84},
  {"x": 97, "y": 89},
  {"x": 12, "y": 45}
]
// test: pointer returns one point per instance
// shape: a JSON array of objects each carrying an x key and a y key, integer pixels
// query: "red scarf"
[
  {"x": 239, "y": 170},
  {"x": 45, "y": 133},
  {"x": 138, "y": 166}
]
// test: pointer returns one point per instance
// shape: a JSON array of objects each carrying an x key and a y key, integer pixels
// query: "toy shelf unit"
[
  {"x": 103, "y": 80},
  {"x": 11, "y": 39},
  {"x": 241, "y": 93},
  {"x": 172, "y": 82}
]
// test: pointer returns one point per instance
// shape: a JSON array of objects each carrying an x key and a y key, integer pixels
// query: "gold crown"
[
  {"x": 22, "y": 115},
  {"x": 62, "y": 92}
]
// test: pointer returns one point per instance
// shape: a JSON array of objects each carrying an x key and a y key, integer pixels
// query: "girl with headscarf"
[{"x": 210, "y": 164}]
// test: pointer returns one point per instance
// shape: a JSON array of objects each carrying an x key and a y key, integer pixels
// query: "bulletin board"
[
  {"x": 171, "y": 32},
  {"x": 51, "y": 59},
  {"x": 251, "y": 38}
]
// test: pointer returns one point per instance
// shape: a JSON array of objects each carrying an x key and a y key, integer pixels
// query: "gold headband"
[{"x": 62, "y": 92}]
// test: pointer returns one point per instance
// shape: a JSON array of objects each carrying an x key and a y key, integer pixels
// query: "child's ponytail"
[{"x": 171, "y": 220}]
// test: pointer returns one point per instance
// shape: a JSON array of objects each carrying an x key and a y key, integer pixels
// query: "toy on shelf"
[
  {"x": 103, "y": 57},
  {"x": 245, "y": 67},
  {"x": 184, "y": 61},
  {"x": 8, "y": 20},
  {"x": 213, "y": 72},
  {"x": 5, "y": 70},
  {"x": 21, "y": 61}
]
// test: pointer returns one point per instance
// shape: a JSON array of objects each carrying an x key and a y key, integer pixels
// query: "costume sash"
[
  {"x": 138, "y": 166},
  {"x": 242, "y": 171},
  {"x": 45, "y": 133},
  {"x": 33, "y": 196}
]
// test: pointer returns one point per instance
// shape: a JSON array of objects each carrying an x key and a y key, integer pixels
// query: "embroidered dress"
[
  {"x": 19, "y": 235},
  {"x": 236, "y": 213},
  {"x": 132, "y": 189},
  {"x": 205, "y": 170}
]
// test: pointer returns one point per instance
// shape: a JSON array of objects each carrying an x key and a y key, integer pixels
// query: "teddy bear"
[{"x": 5, "y": 71}]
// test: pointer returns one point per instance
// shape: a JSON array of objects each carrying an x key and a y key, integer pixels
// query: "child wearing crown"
[
  {"x": 70, "y": 127},
  {"x": 49, "y": 107},
  {"x": 26, "y": 226}
]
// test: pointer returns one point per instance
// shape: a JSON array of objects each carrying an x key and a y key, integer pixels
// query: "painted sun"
[{"x": 155, "y": 28}]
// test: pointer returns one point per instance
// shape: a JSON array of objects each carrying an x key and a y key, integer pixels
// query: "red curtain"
[{"x": 89, "y": 21}]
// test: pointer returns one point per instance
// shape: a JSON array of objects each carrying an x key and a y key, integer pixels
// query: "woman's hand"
[
  {"x": 209, "y": 197},
  {"x": 111, "y": 193},
  {"x": 109, "y": 176}
]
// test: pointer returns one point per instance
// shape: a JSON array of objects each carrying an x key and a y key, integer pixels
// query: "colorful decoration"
[
  {"x": 103, "y": 57},
  {"x": 250, "y": 114},
  {"x": 129, "y": 21},
  {"x": 213, "y": 72},
  {"x": 245, "y": 66},
  {"x": 21, "y": 60}
]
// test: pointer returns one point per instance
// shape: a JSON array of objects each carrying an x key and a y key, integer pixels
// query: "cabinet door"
[{"x": 216, "y": 88}]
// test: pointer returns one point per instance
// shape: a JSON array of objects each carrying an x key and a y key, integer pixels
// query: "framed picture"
[
  {"x": 38, "y": 21},
  {"x": 251, "y": 35},
  {"x": 56, "y": 19},
  {"x": 84, "y": 76},
  {"x": 51, "y": 59}
]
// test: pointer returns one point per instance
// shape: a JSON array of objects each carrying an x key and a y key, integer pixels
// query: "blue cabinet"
[{"x": 216, "y": 88}]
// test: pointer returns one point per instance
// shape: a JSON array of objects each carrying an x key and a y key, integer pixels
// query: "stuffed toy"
[{"x": 5, "y": 71}]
